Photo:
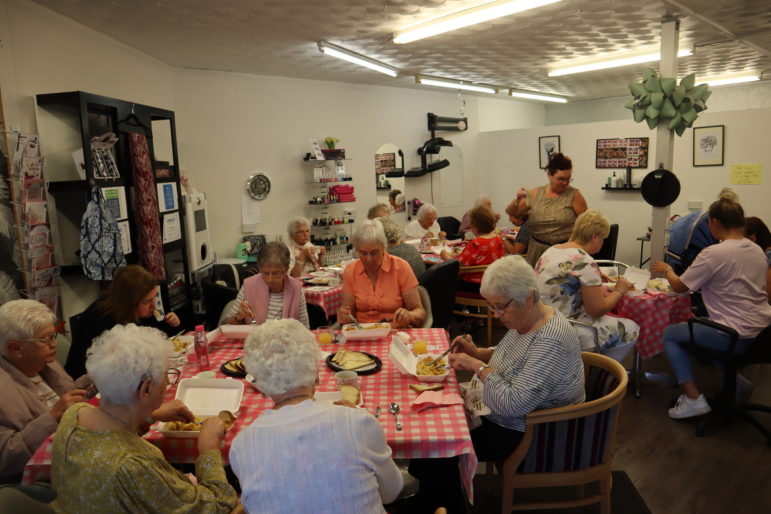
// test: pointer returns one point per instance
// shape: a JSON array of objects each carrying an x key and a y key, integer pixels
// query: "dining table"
[
  {"x": 329, "y": 298},
  {"x": 431, "y": 433}
]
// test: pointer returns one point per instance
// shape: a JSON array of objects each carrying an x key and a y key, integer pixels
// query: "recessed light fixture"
[
  {"x": 723, "y": 80},
  {"x": 479, "y": 14},
  {"x": 353, "y": 57},
  {"x": 454, "y": 84},
  {"x": 613, "y": 61},
  {"x": 541, "y": 97}
]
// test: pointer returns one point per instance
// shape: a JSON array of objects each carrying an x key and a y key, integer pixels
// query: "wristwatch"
[{"x": 481, "y": 369}]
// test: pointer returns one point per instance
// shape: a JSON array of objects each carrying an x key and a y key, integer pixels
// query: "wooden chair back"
[{"x": 476, "y": 301}]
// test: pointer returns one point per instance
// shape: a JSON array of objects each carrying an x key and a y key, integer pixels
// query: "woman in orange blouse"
[{"x": 379, "y": 286}]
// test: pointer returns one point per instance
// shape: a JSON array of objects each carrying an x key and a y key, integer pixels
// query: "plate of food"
[
  {"x": 366, "y": 331},
  {"x": 362, "y": 363},
  {"x": 179, "y": 344},
  {"x": 346, "y": 392},
  {"x": 426, "y": 371},
  {"x": 190, "y": 430},
  {"x": 234, "y": 368}
]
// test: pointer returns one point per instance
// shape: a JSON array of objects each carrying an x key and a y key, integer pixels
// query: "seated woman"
[
  {"x": 537, "y": 365},
  {"x": 36, "y": 389},
  {"x": 304, "y": 256},
  {"x": 465, "y": 223},
  {"x": 570, "y": 281},
  {"x": 484, "y": 249},
  {"x": 731, "y": 276},
  {"x": 757, "y": 232},
  {"x": 273, "y": 457},
  {"x": 100, "y": 464},
  {"x": 397, "y": 247},
  {"x": 379, "y": 286},
  {"x": 271, "y": 294},
  {"x": 129, "y": 299},
  {"x": 424, "y": 225},
  {"x": 379, "y": 210}
]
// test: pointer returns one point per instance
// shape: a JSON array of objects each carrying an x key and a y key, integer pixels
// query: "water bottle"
[{"x": 201, "y": 348}]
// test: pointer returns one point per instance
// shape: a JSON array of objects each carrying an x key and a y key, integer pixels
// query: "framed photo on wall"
[
  {"x": 630, "y": 152},
  {"x": 547, "y": 145},
  {"x": 708, "y": 149}
]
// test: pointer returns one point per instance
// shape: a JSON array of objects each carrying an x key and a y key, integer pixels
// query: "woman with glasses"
[
  {"x": 129, "y": 299},
  {"x": 36, "y": 390},
  {"x": 100, "y": 463},
  {"x": 551, "y": 209},
  {"x": 304, "y": 256}
]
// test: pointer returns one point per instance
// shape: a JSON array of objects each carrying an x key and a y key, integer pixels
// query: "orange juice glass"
[{"x": 420, "y": 347}]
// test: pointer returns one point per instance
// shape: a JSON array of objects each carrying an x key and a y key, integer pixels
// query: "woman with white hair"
[
  {"x": 303, "y": 452},
  {"x": 379, "y": 210},
  {"x": 424, "y": 224},
  {"x": 100, "y": 464},
  {"x": 304, "y": 256},
  {"x": 379, "y": 286},
  {"x": 36, "y": 389},
  {"x": 398, "y": 248}
]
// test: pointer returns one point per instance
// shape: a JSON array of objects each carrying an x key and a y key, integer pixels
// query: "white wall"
[{"x": 512, "y": 161}]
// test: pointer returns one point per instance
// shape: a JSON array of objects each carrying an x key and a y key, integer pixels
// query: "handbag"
[{"x": 473, "y": 393}]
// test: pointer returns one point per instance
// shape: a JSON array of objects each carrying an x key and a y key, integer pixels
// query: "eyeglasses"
[
  {"x": 172, "y": 376},
  {"x": 498, "y": 311},
  {"x": 564, "y": 179},
  {"x": 50, "y": 340}
]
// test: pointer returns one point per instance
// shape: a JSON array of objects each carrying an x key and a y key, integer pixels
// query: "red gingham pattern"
[
  {"x": 432, "y": 433},
  {"x": 330, "y": 299},
  {"x": 654, "y": 311}
]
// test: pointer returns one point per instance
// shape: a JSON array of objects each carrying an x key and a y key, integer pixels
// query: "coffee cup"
[{"x": 347, "y": 378}]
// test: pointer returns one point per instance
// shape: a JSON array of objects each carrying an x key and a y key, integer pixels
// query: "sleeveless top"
[{"x": 550, "y": 221}]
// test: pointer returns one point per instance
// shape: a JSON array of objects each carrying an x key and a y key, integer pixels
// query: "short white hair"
[
  {"x": 282, "y": 355},
  {"x": 124, "y": 356},
  {"x": 369, "y": 232},
  {"x": 483, "y": 200},
  {"x": 392, "y": 230},
  {"x": 511, "y": 277},
  {"x": 296, "y": 223},
  {"x": 22, "y": 319},
  {"x": 425, "y": 210}
]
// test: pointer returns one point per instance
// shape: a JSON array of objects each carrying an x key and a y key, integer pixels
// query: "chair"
[
  {"x": 569, "y": 446},
  {"x": 726, "y": 406},
  {"x": 316, "y": 316},
  {"x": 608, "y": 250},
  {"x": 215, "y": 300},
  {"x": 475, "y": 301},
  {"x": 450, "y": 226},
  {"x": 426, "y": 301},
  {"x": 441, "y": 281}
]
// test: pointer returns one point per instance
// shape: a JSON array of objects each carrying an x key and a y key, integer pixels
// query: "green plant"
[
  {"x": 659, "y": 100},
  {"x": 331, "y": 142}
]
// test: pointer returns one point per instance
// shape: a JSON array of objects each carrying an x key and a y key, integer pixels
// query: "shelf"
[
  {"x": 606, "y": 188},
  {"x": 329, "y": 203},
  {"x": 383, "y": 188},
  {"x": 331, "y": 181},
  {"x": 330, "y": 246},
  {"x": 333, "y": 225},
  {"x": 59, "y": 186},
  {"x": 313, "y": 161}
]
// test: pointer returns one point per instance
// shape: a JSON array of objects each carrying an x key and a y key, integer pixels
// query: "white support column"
[{"x": 665, "y": 138}]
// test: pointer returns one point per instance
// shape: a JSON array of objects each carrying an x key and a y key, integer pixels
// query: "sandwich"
[{"x": 350, "y": 394}]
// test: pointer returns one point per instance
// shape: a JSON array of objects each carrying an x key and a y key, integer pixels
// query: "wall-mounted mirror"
[
  {"x": 451, "y": 177},
  {"x": 162, "y": 150},
  {"x": 390, "y": 190}
]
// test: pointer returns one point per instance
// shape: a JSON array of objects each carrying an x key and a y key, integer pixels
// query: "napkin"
[{"x": 431, "y": 399}]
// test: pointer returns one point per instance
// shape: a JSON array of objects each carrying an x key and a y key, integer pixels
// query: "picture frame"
[
  {"x": 547, "y": 145},
  {"x": 620, "y": 153},
  {"x": 708, "y": 148}
]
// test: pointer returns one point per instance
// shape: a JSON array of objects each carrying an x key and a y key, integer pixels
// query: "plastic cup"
[
  {"x": 419, "y": 347},
  {"x": 324, "y": 335}
]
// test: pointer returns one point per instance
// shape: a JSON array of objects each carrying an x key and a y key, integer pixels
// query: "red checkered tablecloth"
[
  {"x": 654, "y": 311},
  {"x": 329, "y": 298},
  {"x": 432, "y": 433}
]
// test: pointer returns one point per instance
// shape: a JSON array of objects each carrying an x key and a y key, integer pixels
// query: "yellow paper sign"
[{"x": 747, "y": 174}]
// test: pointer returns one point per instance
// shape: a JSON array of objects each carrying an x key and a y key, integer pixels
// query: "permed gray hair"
[
  {"x": 376, "y": 209},
  {"x": 425, "y": 210},
  {"x": 274, "y": 253},
  {"x": 510, "y": 277},
  {"x": 484, "y": 200},
  {"x": 282, "y": 355},
  {"x": 392, "y": 231},
  {"x": 296, "y": 223},
  {"x": 122, "y": 357},
  {"x": 22, "y": 319},
  {"x": 369, "y": 232}
]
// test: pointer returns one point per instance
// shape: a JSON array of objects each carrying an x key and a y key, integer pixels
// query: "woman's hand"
[
  {"x": 623, "y": 285},
  {"x": 464, "y": 344},
  {"x": 402, "y": 318},
  {"x": 344, "y": 316},
  {"x": 212, "y": 432},
  {"x": 172, "y": 319},
  {"x": 174, "y": 410},
  {"x": 66, "y": 400},
  {"x": 661, "y": 267},
  {"x": 522, "y": 193},
  {"x": 442, "y": 235},
  {"x": 244, "y": 313},
  {"x": 462, "y": 361}
]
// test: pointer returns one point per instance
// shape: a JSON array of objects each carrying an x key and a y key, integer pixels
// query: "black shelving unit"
[{"x": 606, "y": 188}]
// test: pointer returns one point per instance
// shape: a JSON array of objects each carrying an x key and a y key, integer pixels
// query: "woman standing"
[{"x": 552, "y": 209}]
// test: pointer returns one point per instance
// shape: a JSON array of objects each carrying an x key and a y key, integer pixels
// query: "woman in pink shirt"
[{"x": 731, "y": 276}]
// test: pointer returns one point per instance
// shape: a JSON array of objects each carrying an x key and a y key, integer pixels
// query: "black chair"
[
  {"x": 450, "y": 226},
  {"x": 726, "y": 406},
  {"x": 215, "y": 297},
  {"x": 316, "y": 316},
  {"x": 608, "y": 250},
  {"x": 441, "y": 282}
]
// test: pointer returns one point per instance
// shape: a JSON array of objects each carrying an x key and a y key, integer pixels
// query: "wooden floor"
[{"x": 727, "y": 471}]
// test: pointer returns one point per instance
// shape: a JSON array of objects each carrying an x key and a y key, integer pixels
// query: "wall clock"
[{"x": 258, "y": 186}]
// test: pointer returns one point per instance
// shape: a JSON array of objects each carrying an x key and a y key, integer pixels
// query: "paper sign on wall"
[
  {"x": 747, "y": 174},
  {"x": 250, "y": 213},
  {"x": 167, "y": 196},
  {"x": 171, "y": 227}
]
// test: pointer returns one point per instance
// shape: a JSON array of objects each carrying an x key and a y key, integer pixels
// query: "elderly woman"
[
  {"x": 379, "y": 286},
  {"x": 271, "y": 294},
  {"x": 379, "y": 210},
  {"x": 731, "y": 276},
  {"x": 537, "y": 365},
  {"x": 552, "y": 209},
  {"x": 304, "y": 256},
  {"x": 425, "y": 224},
  {"x": 398, "y": 248},
  {"x": 570, "y": 280},
  {"x": 130, "y": 298},
  {"x": 396, "y": 200},
  {"x": 465, "y": 222},
  {"x": 100, "y": 464},
  {"x": 36, "y": 389},
  {"x": 272, "y": 457}
]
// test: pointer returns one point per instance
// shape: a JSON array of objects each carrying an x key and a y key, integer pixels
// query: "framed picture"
[
  {"x": 708, "y": 145},
  {"x": 630, "y": 152},
  {"x": 547, "y": 145}
]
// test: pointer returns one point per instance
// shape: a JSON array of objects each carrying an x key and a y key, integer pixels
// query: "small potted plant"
[{"x": 330, "y": 152}]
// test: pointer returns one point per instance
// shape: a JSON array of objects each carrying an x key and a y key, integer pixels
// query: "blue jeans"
[{"x": 677, "y": 335}]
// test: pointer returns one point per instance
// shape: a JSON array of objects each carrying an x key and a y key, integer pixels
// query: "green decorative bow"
[{"x": 657, "y": 100}]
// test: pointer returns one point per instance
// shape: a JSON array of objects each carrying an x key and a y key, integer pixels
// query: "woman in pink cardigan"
[{"x": 272, "y": 294}]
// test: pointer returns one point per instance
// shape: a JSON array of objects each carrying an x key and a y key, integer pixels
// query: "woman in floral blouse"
[{"x": 570, "y": 281}]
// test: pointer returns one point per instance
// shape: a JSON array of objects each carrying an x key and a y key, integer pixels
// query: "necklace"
[
  {"x": 116, "y": 418},
  {"x": 282, "y": 402}
]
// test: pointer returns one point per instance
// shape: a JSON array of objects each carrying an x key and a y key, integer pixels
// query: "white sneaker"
[{"x": 687, "y": 408}]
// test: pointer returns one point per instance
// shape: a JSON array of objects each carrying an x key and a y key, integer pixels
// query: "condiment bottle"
[{"x": 201, "y": 348}]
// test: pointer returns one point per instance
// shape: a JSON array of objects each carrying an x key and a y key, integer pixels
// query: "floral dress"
[{"x": 561, "y": 273}]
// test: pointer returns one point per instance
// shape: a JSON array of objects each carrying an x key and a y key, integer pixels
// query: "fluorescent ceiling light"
[
  {"x": 538, "y": 96},
  {"x": 723, "y": 80},
  {"x": 615, "y": 61},
  {"x": 454, "y": 84},
  {"x": 479, "y": 14},
  {"x": 361, "y": 60}
]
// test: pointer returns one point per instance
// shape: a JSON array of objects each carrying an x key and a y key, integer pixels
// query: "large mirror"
[
  {"x": 451, "y": 177},
  {"x": 390, "y": 190}
]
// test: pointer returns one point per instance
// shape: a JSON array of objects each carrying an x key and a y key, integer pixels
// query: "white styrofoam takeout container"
[
  {"x": 406, "y": 362},
  {"x": 236, "y": 331},
  {"x": 205, "y": 397},
  {"x": 351, "y": 333}
]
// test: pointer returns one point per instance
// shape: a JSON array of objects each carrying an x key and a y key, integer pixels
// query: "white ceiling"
[{"x": 278, "y": 37}]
